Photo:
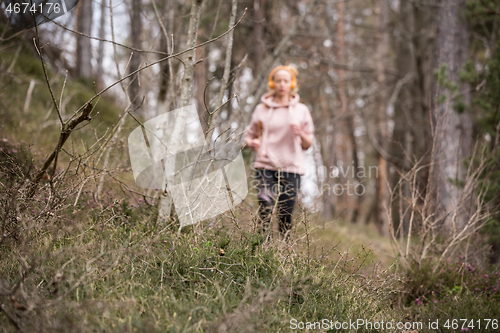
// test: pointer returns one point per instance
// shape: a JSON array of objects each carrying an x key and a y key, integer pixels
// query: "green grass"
[
  {"x": 123, "y": 272},
  {"x": 117, "y": 270},
  {"x": 347, "y": 237}
]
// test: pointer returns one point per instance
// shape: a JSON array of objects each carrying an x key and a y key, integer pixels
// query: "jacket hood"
[{"x": 267, "y": 100}]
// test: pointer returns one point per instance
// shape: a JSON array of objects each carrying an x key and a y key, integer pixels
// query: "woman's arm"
[
  {"x": 305, "y": 138},
  {"x": 253, "y": 144},
  {"x": 307, "y": 130},
  {"x": 252, "y": 139},
  {"x": 306, "y": 141}
]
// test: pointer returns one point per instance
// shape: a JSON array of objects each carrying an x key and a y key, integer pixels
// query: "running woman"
[{"x": 281, "y": 130}]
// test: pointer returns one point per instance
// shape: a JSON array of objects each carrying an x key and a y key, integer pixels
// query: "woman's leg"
[
  {"x": 290, "y": 187},
  {"x": 266, "y": 181}
]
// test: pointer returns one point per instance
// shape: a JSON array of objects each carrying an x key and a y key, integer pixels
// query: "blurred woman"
[{"x": 281, "y": 130}]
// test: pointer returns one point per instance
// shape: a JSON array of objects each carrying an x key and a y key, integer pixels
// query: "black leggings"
[{"x": 267, "y": 190}]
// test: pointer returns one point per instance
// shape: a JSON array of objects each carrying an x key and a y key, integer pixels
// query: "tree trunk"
[
  {"x": 200, "y": 75},
  {"x": 83, "y": 47},
  {"x": 185, "y": 98},
  {"x": 400, "y": 144},
  {"x": 100, "y": 52},
  {"x": 382, "y": 193},
  {"x": 164, "y": 68},
  {"x": 227, "y": 66},
  {"x": 259, "y": 7},
  {"x": 327, "y": 141},
  {"x": 346, "y": 148},
  {"x": 135, "y": 61},
  {"x": 165, "y": 93},
  {"x": 411, "y": 136},
  {"x": 340, "y": 132},
  {"x": 420, "y": 116},
  {"x": 452, "y": 135},
  {"x": 190, "y": 59},
  {"x": 357, "y": 198}
]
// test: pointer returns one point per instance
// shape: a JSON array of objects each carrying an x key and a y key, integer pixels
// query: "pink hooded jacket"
[{"x": 280, "y": 148}]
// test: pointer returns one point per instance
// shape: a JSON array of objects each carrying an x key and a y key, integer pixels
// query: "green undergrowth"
[
  {"x": 109, "y": 267},
  {"x": 456, "y": 290},
  {"x": 35, "y": 120},
  {"x": 70, "y": 263}
]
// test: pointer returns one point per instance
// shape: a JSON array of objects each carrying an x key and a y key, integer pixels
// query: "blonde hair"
[{"x": 292, "y": 70}]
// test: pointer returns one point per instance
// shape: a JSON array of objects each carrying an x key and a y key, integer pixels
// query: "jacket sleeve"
[
  {"x": 308, "y": 124},
  {"x": 251, "y": 129}
]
